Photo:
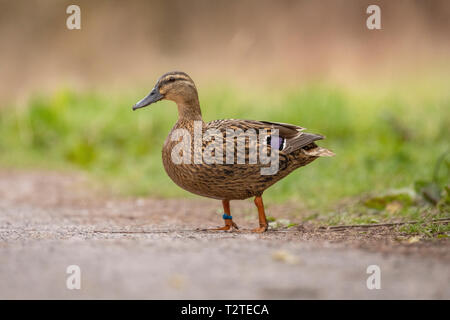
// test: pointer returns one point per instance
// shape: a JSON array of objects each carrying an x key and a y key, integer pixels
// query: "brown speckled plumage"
[{"x": 228, "y": 181}]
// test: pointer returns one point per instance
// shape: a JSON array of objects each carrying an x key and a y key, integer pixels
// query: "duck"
[{"x": 197, "y": 155}]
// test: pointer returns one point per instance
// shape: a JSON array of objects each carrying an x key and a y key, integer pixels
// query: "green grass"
[
  {"x": 427, "y": 229},
  {"x": 384, "y": 138}
]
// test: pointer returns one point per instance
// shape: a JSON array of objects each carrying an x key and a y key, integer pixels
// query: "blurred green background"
[{"x": 381, "y": 97}]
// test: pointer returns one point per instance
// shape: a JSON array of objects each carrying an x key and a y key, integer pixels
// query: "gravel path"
[{"x": 150, "y": 249}]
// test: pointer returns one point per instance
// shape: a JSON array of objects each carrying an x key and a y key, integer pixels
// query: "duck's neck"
[{"x": 189, "y": 111}]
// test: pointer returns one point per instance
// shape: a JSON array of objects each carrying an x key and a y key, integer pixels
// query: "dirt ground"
[{"x": 146, "y": 248}]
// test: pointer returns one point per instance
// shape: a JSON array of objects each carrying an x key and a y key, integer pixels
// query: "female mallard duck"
[{"x": 199, "y": 165}]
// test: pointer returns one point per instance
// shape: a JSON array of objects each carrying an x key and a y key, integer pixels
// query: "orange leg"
[
  {"x": 263, "y": 225},
  {"x": 229, "y": 224}
]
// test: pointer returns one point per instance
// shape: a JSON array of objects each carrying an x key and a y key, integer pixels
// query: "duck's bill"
[{"x": 152, "y": 97}]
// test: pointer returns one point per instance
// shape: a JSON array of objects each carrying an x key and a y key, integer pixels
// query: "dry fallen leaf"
[
  {"x": 177, "y": 281},
  {"x": 285, "y": 256},
  {"x": 394, "y": 207},
  {"x": 413, "y": 240}
]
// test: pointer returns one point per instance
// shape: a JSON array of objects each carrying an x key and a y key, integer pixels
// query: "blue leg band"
[{"x": 226, "y": 217}]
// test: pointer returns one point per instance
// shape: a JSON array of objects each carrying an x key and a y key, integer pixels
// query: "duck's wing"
[{"x": 291, "y": 137}]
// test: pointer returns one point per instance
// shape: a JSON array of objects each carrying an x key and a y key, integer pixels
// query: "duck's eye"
[{"x": 171, "y": 79}]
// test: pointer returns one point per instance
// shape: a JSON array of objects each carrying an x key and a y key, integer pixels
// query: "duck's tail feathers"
[
  {"x": 301, "y": 140},
  {"x": 319, "y": 152}
]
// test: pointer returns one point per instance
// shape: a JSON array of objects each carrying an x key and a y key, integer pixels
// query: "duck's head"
[{"x": 176, "y": 86}]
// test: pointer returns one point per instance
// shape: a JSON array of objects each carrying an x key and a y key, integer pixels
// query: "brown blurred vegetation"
[{"x": 122, "y": 43}]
